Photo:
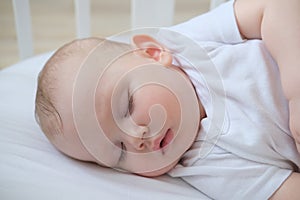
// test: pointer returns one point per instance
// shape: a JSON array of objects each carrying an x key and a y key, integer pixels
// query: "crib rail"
[
  {"x": 143, "y": 13},
  {"x": 23, "y": 27}
]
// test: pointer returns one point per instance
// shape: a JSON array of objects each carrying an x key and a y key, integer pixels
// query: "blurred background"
[{"x": 53, "y": 22}]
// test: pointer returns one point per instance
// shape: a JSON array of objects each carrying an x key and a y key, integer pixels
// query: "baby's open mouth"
[
  {"x": 164, "y": 140},
  {"x": 167, "y": 138}
]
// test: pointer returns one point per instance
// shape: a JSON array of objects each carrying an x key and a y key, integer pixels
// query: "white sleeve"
[
  {"x": 218, "y": 25},
  {"x": 222, "y": 175}
]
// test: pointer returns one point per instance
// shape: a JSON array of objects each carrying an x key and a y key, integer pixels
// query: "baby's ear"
[{"x": 149, "y": 47}]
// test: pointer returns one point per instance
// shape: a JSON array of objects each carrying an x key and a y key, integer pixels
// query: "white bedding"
[{"x": 31, "y": 168}]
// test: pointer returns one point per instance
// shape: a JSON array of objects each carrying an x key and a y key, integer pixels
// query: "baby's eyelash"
[
  {"x": 130, "y": 105},
  {"x": 122, "y": 156}
]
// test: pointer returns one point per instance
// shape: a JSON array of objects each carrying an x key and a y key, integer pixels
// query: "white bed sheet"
[{"x": 31, "y": 168}]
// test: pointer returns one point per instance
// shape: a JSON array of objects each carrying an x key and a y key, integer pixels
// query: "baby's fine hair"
[{"x": 46, "y": 113}]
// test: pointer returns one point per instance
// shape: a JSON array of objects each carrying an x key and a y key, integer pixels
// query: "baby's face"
[
  {"x": 142, "y": 138},
  {"x": 142, "y": 118},
  {"x": 147, "y": 116}
]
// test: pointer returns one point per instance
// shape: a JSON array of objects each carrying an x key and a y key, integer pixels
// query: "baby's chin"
[{"x": 159, "y": 172}]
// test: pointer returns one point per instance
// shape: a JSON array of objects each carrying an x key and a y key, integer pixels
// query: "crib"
[
  {"x": 164, "y": 11},
  {"x": 30, "y": 167}
]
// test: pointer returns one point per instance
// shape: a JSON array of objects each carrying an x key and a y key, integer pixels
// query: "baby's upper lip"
[{"x": 158, "y": 141}]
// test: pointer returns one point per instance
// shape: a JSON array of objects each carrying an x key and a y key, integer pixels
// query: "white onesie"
[{"x": 248, "y": 152}]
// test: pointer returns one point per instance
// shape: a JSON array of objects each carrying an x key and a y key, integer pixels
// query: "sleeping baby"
[{"x": 201, "y": 100}]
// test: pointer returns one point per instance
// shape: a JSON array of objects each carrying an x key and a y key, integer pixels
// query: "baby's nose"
[{"x": 138, "y": 139}]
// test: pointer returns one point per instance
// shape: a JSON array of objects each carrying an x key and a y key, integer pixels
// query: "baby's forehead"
[{"x": 82, "y": 62}]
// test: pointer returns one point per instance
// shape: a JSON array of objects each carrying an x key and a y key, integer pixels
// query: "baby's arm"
[
  {"x": 277, "y": 23},
  {"x": 289, "y": 189}
]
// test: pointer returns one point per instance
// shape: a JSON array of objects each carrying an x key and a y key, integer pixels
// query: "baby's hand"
[{"x": 294, "y": 107}]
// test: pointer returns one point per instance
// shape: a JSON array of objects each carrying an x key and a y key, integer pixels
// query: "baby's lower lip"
[{"x": 167, "y": 139}]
